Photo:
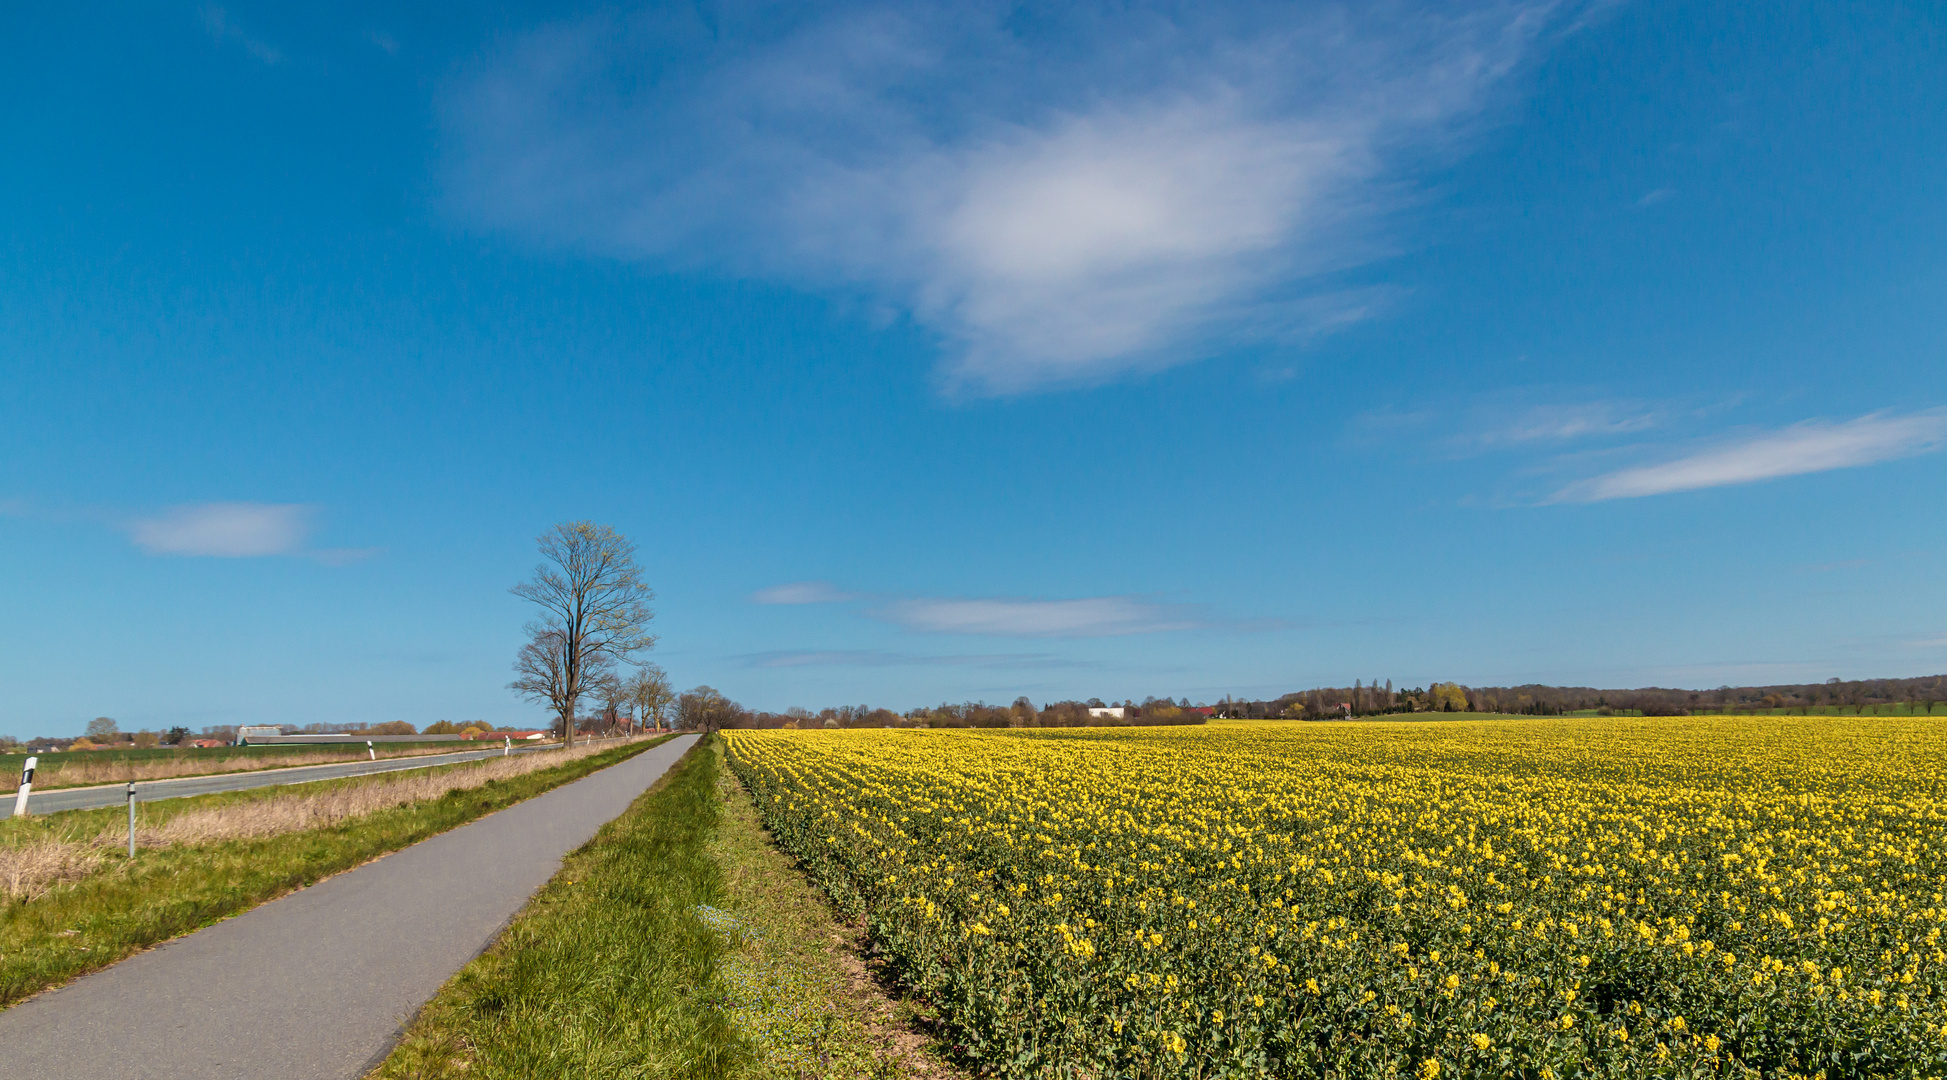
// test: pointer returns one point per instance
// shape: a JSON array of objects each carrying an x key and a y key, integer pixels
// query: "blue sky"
[{"x": 964, "y": 351}]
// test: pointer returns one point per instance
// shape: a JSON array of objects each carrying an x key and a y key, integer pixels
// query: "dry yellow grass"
[
  {"x": 112, "y": 771},
  {"x": 29, "y": 870}
]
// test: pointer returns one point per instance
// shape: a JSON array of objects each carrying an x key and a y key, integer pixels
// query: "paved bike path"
[{"x": 319, "y": 984}]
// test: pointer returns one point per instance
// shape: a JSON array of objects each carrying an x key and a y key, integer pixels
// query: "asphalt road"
[
  {"x": 90, "y": 798},
  {"x": 320, "y": 983}
]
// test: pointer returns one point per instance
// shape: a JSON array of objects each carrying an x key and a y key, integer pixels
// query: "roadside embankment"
[
  {"x": 89, "y": 768},
  {"x": 74, "y": 903}
]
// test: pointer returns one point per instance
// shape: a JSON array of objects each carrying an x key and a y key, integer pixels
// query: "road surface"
[
  {"x": 90, "y": 798},
  {"x": 319, "y": 984}
]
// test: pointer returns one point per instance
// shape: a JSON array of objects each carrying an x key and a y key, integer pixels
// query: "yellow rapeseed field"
[{"x": 1538, "y": 898}]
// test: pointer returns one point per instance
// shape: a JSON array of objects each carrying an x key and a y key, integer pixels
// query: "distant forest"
[
  {"x": 704, "y": 708},
  {"x": 1917, "y": 695}
]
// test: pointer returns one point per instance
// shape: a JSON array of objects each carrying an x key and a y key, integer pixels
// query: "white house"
[{"x": 1114, "y": 713}]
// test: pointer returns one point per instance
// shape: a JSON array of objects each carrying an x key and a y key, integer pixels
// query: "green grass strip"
[
  {"x": 788, "y": 988},
  {"x": 168, "y": 892},
  {"x": 608, "y": 972}
]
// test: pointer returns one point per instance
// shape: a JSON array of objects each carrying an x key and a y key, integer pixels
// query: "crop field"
[{"x": 1698, "y": 896}]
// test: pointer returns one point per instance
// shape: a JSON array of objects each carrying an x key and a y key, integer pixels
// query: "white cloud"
[
  {"x": 1122, "y": 190},
  {"x": 863, "y": 658},
  {"x": 234, "y": 530},
  {"x": 801, "y": 592},
  {"x": 345, "y": 556},
  {"x": 824, "y": 658},
  {"x": 1096, "y": 616},
  {"x": 1814, "y": 446},
  {"x": 224, "y": 29},
  {"x": 1568, "y": 422},
  {"x": 1522, "y": 419}
]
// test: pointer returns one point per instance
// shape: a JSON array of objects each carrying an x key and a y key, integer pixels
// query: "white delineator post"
[
  {"x": 509, "y": 748},
  {"x": 131, "y": 819},
  {"x": 369, "y": 750},
  {"x": 26, "y": 785}
]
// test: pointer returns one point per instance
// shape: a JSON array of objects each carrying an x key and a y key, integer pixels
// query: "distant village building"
[{"x": 1115, "y": 712}]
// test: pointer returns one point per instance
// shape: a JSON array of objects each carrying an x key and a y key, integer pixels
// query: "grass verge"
[
  {"x": 678, "y": 943},
  {"x": 795, "y": 984},
  {"x": 112, "y": 913},
  {"x": 608, "y": 971}
]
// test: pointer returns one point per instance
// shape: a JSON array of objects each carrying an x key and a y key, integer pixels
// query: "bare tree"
[
  {"x": 615, "y": 701},
  {"x": 542, "y": 674},
  {"x": 595, "y": 614},
  {"x": 703, "y": 709},
  {"x": 651, "y": 693}
]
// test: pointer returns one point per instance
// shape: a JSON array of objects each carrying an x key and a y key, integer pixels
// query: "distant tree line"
[
  {"x": 103, "y": 731},
  {"x": 1920, "y": 695},
  {"x": 705, "y": 709}
]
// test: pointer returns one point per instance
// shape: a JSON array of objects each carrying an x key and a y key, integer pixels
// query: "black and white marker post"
[
  {"x": 131, "y": 819},
  {"x": 26, "y": 785},
  {"x": 369, "y": 750},
  {"x": 509, "y": 748}
]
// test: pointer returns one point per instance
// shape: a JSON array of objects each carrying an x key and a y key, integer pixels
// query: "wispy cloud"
[
  {"x": 1522, "y": 419},
  {"x": 1826, "y": 568},
  {"x": 1811, "y": 447},
  {"x": 801, "y": 592},
  {"x": 345, "y": 556},
  {"x": 226, "y": 31},
  {"x": 1567, "y": 422},
  {"x": 1090, "y": 616},
  {"x": 866, "y": 658},
  {"x": 224, "y": 529},
  {"x": 1061, "y": 195},
  {"x": 1094, "y": 616}
]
